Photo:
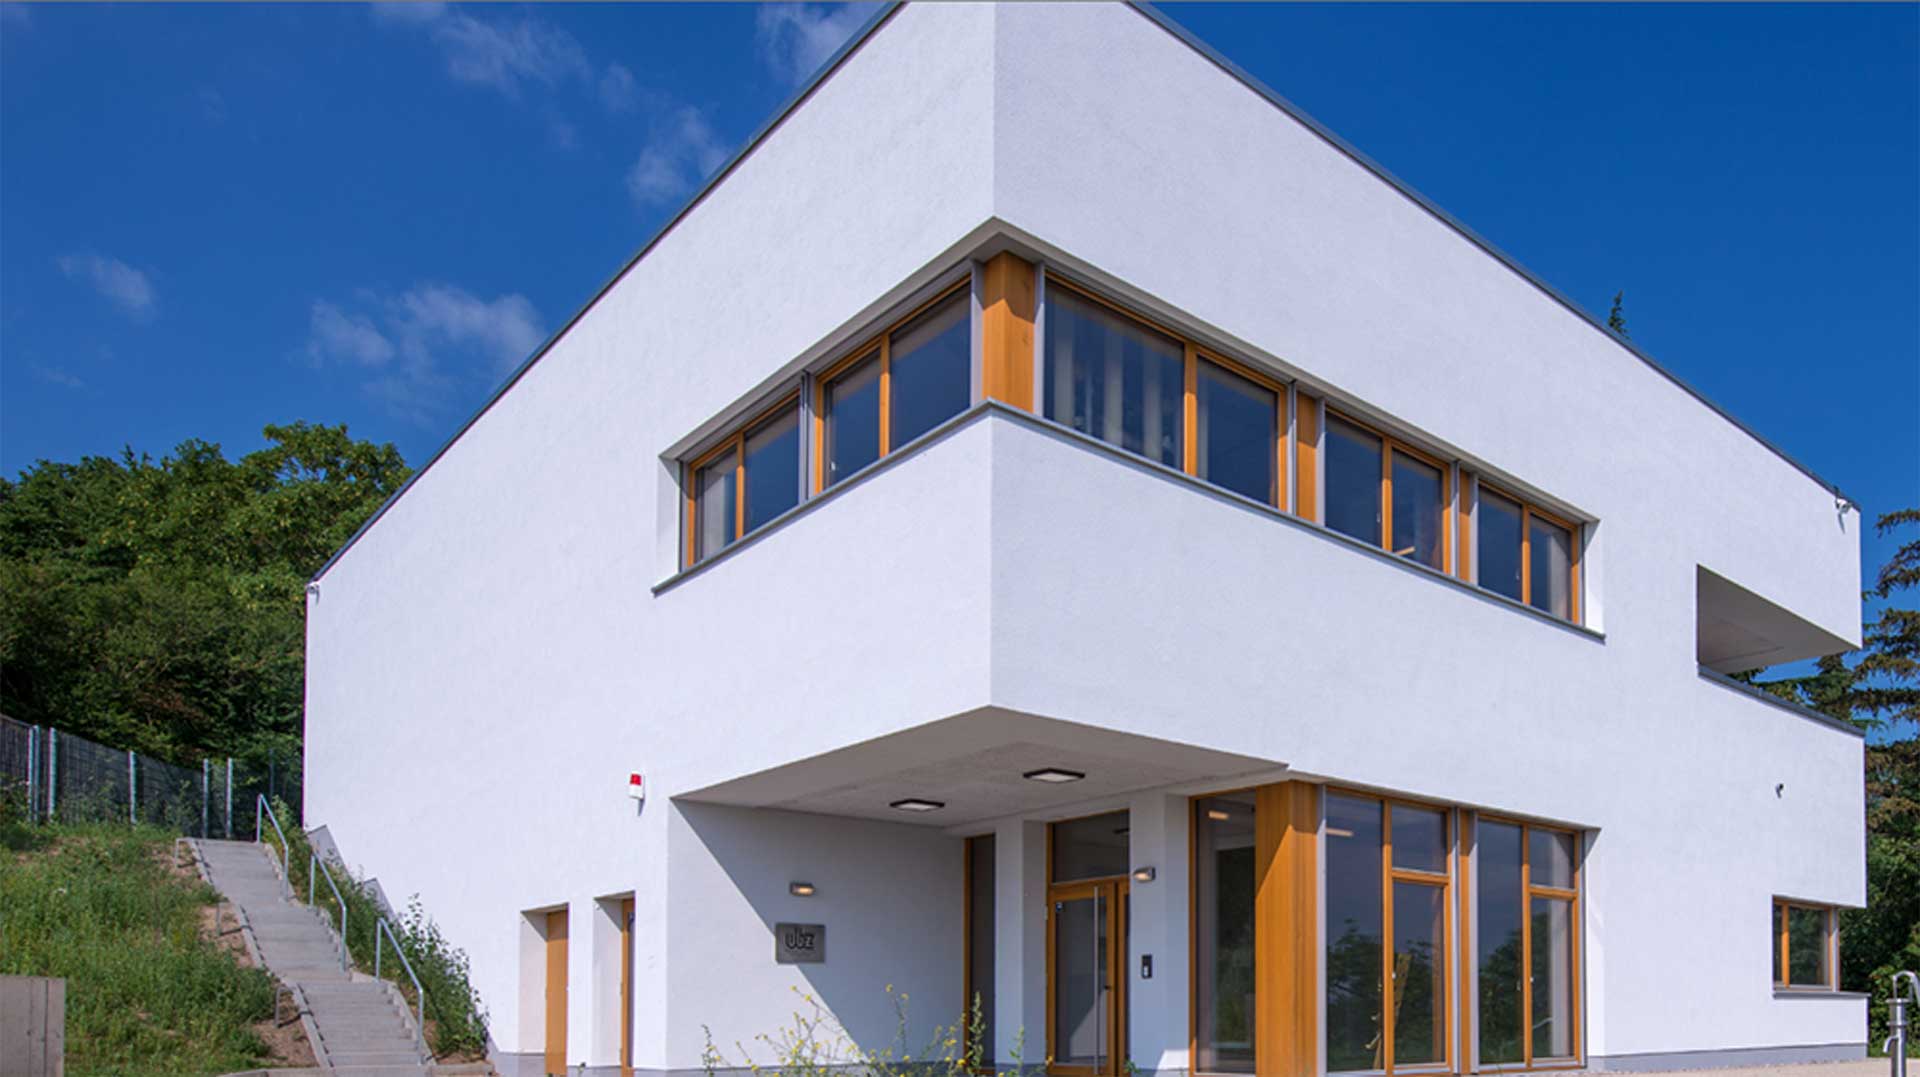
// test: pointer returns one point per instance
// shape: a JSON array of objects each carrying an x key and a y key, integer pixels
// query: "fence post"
[
  {"x": 133, "y": 792},
  {"x": 229, "y": 798},
  {"x": 33, "y": 773},
  {"x": 206, "y": 771},
  {"x": 53, "y": 772}
]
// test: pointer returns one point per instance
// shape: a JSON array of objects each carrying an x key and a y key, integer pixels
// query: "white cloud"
[
  {"x": 63, "y": 378},
  {"x": 336, "y": 334},
  {"x": 683, "y": 151},
  {"x": 127, "y": 287},
  {"x": 794, "y": 39},
  {"x": 495, "y": 52},
  {"x": 618, "y": 89},
  {"x": 425, "y": 348}
]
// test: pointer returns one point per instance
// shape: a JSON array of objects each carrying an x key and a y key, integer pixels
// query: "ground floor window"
[
  {"x": 977, "y": 1022},
  {"x": 1223, "y": 915},
  {"x": 1527, "y": 947},
  {"x": 1803, "y": 945}
]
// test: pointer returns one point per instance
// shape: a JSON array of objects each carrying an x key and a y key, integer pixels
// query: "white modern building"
[{"x": 1051, "y": 524}]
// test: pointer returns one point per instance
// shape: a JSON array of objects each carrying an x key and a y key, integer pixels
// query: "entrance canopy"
[{"x": 975, "y": 767}]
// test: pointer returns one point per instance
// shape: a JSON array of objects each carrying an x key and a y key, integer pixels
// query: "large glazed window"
[
  {"x": 1803, "y": 946},
  {"x": 1114, "y": 378},
  {"x": 1527, "y": 950},
  {"x": 895, "y": 388},
  {"x": 1528, "y": 555},
  {"x": 1387, "y": 898},
  {"x": 1224, "y": 927},
  {"x": 1353, "y": 480},
  {"x": 1094, "y": 847},
  {"x": 1238, "y": 439},
  {"x": 1387, "y": 494},
  {"x": 743, "y": 482},
  {"x": 977, "y": 1026}
]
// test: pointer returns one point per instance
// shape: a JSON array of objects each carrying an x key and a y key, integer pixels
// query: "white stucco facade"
[{"x": 514, "y": 635}]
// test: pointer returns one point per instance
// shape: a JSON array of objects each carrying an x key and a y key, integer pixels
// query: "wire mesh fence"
[{"x": 47, "y": 775}]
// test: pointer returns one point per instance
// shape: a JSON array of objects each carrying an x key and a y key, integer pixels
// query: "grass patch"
[
  {"x": 98, "y": 905},
  {"x": 456, "y": 1021}
]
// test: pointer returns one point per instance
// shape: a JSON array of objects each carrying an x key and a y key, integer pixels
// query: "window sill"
[{"x": 1816, "y": 992}]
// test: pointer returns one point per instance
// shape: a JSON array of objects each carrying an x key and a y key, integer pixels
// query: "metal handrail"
[
  {"x": 314, "y": 862},
  {"x": 384, "y": 930},
  {"x": 1896, "y": 1045},
  {"x": 260, "y": 808}
]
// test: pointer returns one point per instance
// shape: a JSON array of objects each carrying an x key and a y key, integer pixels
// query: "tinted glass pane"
[
  {"x": 1552, "y": 569},
  {"x": 1552, "y": 978},
  {"x": 1499, "y": 946},
  {"x": 1807, "y": 947},
  {"x": 1223, "y": 913},
  {"x": 1079, "y": 979},
  {"x": 1499, "y": 529},
  {"x": 1354, "y": 934},
  {"x": 1419, "y": 974},
  {"x": 1550, "y": 858},
  {"x": 773, "y": 467},
  {"x": 1779, "y": 930},
  {"x": 1239, "y": 425},
  {"x": 1114, "y": 378},
  {"x": 852, "y": 411},
  {"x": 714, "y": 506},
  {"x": 932, "y": 379},
  {"x": 1353, "y": 480},
  {"x": 980, "y": 946},
  {"x": 1091, "y": 848},
  {"x": 1419, "y": 520},
  {"x": 1419, "y": 839}
]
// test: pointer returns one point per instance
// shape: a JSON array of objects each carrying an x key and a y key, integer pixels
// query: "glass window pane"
[
  {"x": 1419, "y": 974},
  {"x": 1807, "y": 947},
  {"x": 932, "y": 375},
  {"x": 714, "y": 506},
  {"x": 1079, "y": 975},
  {"x": 1223, "y": 914},
  {"x": 1496, "y": 858},
  {"x": 1499, "y": 530},
  {"x": 1114, "y": 378},
  {"x": 1419, "y": 839},
  {"x": 1354, "y": 934},
  {"x": 1552, "y": 978},
  {"x": 1550, "y": 858},
  {"x": 1353, "y": 480},
  {"x": 773, "y": 467},
  {"x": 980, "y": 948},
  {"x": 1239, "y": 429},
  {"x": 851, "y": 406},
  {"x": 1419, "y": 516},
  {"x": 1091, "y": 848},
  {"x": 1552, "y": 569},
  {"x": 1779, "y": 933}
]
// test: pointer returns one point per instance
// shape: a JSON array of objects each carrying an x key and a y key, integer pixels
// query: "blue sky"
[{"x": 216, "y": 217}]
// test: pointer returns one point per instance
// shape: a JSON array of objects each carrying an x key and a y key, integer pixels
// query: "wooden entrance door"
[
  {"x": 626, "y": 987},
  {"x": 556, "y": 1061},
  {"x": 1087, "y": 925}
]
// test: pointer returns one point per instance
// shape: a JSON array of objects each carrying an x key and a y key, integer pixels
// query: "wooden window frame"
[
  {"x": 1447, "y": 881},
  {"x": 735, "y": 442},
  {"x": 1193, "y": 354},
  {"x": 1829, "y": 927},
  {"x": 1577, "y": 950},
  {"x": 1390, "y": 444},
  {"x": 880, "y": 344},
  {"x": 1575, "y": 540}
]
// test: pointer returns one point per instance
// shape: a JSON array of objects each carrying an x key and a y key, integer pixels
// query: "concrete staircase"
[{"x": 359, "y": 1026}]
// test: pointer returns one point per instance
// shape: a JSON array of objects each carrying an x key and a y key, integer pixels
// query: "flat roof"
[{"x": 1165, "y": 22}]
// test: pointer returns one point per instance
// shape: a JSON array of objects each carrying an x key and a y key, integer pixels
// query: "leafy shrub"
[{"x": 815, "y": 1044}]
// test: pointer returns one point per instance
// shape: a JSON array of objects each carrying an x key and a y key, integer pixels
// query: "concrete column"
[
  {"x": 1020, "y": 935},
  {"x": 1157, "y": 1006}
]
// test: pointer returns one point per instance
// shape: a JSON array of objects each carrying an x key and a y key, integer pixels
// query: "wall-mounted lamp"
[
  {"x": 1143, "y": 875},
  {"x": 800, "y": 889}
]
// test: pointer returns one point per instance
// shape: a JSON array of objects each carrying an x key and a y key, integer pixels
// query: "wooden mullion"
[
  {"x": 1388, "y": 980},
  {"x": 1190, "y": 411},
  {"x": 1526, "y": 942},
  {"x": 739, "y": 485},
  {"x": 1386, "y": 492},
  {"x": 886, "y": 394}
]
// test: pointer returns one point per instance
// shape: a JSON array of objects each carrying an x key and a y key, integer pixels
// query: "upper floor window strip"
[
  {"x": 1388, "y": 494},
  {"x": 894, "y": 388},
  {"x": 1528, "y": 554},
  {"x": 752, "y": 476}
]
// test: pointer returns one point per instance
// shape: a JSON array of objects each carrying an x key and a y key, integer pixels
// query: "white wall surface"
[{"x": 489, "y": 662}]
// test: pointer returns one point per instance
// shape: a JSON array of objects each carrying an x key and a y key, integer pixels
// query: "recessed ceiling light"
[
  {"x": 917, "y": 804},
  {"x": 1055, "y": 775}
]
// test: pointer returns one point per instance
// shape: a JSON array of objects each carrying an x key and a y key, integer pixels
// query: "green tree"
[
  {"x": 160, "y": 605},
  {"x": 1617, "y": 315}
]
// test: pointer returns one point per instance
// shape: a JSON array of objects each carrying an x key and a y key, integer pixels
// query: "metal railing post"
[
  {"x": 33, "y": 774},
  {"x": 229, "y": 798},
  {"x": 206, "y": 790},
  {"x": 133, "y": 792},
  {"x": 53, "y": 772},
  {"x": 384, "y": 930},
  {"x": 1896, "y": 1045}
]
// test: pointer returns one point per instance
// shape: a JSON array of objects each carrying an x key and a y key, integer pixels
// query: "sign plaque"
[{"x": 799, "y": 944}]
